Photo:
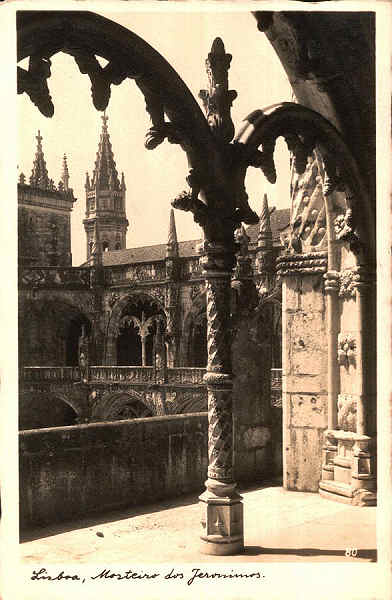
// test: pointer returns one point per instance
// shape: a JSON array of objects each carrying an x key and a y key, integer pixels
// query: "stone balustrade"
[
  {"x": 154, "y": 271},
  {"x": 39, "y": 374},
  {"x": 71, "y": 277},
  {"x": 132, "y": 374},
  {"x": 185, "y": 375},
  {"x": 122, "y": 374}
]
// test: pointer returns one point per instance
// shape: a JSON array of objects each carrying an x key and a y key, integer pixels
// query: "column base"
[
  {"x": 221, "y": 547},
  {"x": 221, "y": 519}
]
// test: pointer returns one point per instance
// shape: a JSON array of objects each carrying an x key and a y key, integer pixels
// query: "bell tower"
[{"x": 105, "y": 199}]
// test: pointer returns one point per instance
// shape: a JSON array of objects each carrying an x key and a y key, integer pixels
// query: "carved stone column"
[
  {"x": 222, "y": 511},
  {"x": 330, "y": 447}
]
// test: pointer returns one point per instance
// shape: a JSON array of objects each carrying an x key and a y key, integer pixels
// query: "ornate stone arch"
[
  {"x": 49, "y": 319},
  {"x": 38, "y": 409},
  {"x": 115, "y": 317},
  {"x": 193, "y": 316},
  {"x": 122, "y": 405}
]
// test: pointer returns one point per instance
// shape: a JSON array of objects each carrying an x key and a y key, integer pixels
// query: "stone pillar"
[
  {"x": 222, "y": 511},
  {"x": 360, "y": 291},
  {"x": 143, "y": 342},
  {"x": 330, "y": 447}
]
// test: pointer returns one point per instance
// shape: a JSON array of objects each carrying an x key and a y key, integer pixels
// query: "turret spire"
[
  {"x": 264, "y": 251},
  {"x": 264, "y": 239},
  {"x": 105, "y": 199},
  {"x": 65, "y": 174},
  {"x": 172, "y": 243},
  {"x": 105, "y": 172},
  {"x": 39, "y": 174}
]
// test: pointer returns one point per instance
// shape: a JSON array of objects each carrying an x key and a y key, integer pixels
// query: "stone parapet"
[
  {"x": 54, "y": 277},
  {"x": 69, "y": 472}
]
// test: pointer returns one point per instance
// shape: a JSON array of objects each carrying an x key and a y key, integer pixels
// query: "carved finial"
[
  {"x": 242, "y": 239},
  {"x": 65, "y": 174},
  {"x": 218, "y": 98},
  {"x": 123, "y": 186},
  {"x": 87, "y": 184},
  {"x": 172, "y": 243},
  {"x": 39, "y": 174},
  {"x": 105, "y": 119},
  {"x": 22, "y": 178},
  {"x": 264, "y": 239}
]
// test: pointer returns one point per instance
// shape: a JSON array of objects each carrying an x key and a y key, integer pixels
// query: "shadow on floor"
[
  {"x": 370, "y": 555},
  {"x": 99, "y": 518}
]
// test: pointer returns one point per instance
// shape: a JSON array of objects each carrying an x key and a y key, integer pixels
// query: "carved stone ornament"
[
  {"x": 218, "y": 98},
  {"x": 34, "y": 83},
  {"x": 113, "y": 299},
  {"x": 347, "y": 412},
  {"x": 347, "y": 283},
  {"x": 346, "y": 349},
  {"x": 220, "y": 435},
  {"x": 305, "y": 264},
  {"x": 196, "y": 290}
]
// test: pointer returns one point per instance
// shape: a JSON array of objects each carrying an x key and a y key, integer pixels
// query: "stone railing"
[
  {"x": 39, "y": 374},
  {"x": 185, "y": 375},
  {"x": 72, "y": 277},
  {"x": 115, "y": 374},
  {"x": 137, "y": 273},
  {"x": 126, "y": 374},
  {"x": 191, "y": 269}
]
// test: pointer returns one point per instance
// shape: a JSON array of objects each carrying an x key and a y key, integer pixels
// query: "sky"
[{"x": 153, "y": 178}]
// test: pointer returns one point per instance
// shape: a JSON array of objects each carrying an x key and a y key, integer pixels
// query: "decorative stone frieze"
[
  {"x": 49, "y": 277},
  {"x": 302, "y": 264}
]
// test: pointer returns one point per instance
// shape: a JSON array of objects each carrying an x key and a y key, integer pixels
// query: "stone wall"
[
  {"x": 304, "y": 381},
  {"x": 44, "y": 227},
  {"x": 258, "y": 425},
  {"x": 70, "y": 472}
]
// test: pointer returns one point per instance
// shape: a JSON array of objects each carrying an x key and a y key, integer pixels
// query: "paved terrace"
[{"x": 279, "y": 526}]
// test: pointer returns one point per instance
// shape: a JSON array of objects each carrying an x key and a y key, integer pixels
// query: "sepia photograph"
[{"x": 198, "y": 252}]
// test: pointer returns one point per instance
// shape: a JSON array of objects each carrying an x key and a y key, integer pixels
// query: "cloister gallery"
[{"x": 247, "y": 354}]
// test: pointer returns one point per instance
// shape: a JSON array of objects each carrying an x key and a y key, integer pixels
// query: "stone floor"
[{"x": 278, "y": 526}]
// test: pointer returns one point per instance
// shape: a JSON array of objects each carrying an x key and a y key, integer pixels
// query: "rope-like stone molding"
[{"x": 302, "y": 264}]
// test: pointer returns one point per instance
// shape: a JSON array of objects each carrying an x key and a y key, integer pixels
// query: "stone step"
[
  {"x": 343, "y": 461},
  {"x": 342, "y": 474},
  {"x": 337, "y": 487}
]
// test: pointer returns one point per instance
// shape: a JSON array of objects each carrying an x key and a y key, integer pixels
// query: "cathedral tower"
[
  {"x": 44, "y": 215},
  {"x": 105, "y": 199}
]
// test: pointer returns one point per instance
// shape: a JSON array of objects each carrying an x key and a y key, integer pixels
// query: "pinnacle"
[
  {"x": 172, "y": 243},
  {"x": 265, "y": 232},
  {"x": 39, "y": 174},
  {"x": 105, "y": 173}
]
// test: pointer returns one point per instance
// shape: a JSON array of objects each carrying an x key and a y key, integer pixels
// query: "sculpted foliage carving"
[{"x": 346, "y": 349}]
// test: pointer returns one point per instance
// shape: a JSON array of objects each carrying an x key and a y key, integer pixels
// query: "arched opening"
[
  {"x": 137, "y": 329},
  {"x": 198, "y": 341},
  {"x": 105, "y": 246},
  {"x": 121, "y": 405},
  {"x": 72, "y": 342},
  {"x": 37, "y": 410},
  {"x": 49, "y": 334},
  {"x": 118, "y": 246},
  {"x": 129, "y": 348}
]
